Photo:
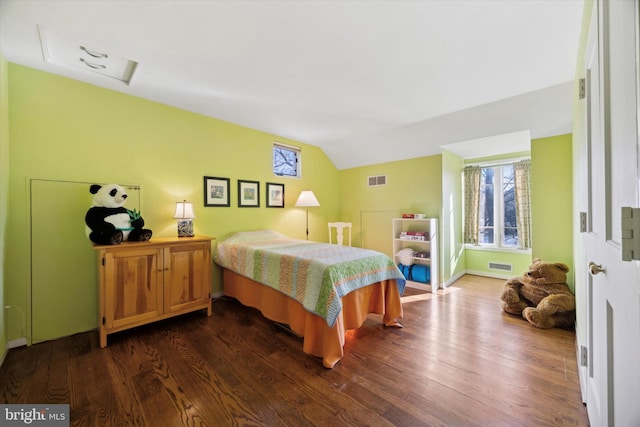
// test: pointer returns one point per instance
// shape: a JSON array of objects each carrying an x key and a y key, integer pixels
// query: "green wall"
[
  {"x": 413, "y": 186},
  {"x": 551, "y": 195},
  {"x": 453, "y": 260},
  {"x": 66, "y": 130},
  {"x": 433, "y": 185},
  {"x": 62, "y": 129},
  {"x": 4, "y": 191},
  {"x": 551, "y": 200},
  {"x": 477, "y": 262}
]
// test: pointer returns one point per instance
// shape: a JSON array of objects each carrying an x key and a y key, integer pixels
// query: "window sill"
[
  {"x": 286, "y": 176},
  {"x": 496, "y": 249}
]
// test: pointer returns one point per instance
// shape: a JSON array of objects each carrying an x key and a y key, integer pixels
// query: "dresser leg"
[{"x": 103, "y": 338}]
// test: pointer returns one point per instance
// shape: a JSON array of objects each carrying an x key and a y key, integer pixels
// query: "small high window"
[{"x": 286, "y": 160}]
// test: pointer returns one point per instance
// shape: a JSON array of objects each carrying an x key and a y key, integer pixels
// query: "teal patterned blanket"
[{"x": 316, "y": 274}]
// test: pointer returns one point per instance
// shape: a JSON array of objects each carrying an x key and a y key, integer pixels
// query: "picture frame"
[
  {"x": 216, "y": 192},
  {"x": 275, "y": 195},
  {"x": 248, "y": 194}
]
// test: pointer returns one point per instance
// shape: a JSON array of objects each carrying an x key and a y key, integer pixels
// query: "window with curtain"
[{"x": 497, "y": 205}]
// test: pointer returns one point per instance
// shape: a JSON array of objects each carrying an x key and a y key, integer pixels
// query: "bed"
[{"x": 319, "y": 290}]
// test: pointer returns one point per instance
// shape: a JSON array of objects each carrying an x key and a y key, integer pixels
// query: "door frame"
[{"x": 29, "y": 181}]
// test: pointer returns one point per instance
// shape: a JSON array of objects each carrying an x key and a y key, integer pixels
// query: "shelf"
[
  {"x": 416, "y": 285},
  {"x": 417, "y": 226}
]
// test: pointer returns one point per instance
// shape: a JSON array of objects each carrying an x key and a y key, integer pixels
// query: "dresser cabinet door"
[
  {"x": 133, "y": 291},
  {"x": 187, "y": 276}
]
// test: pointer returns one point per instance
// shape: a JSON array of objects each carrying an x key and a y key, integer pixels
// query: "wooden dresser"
[{"x": 142, "y": 282}]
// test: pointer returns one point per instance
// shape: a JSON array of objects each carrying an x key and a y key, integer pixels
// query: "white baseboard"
[
  {"x": 488, "y": 274},
  {"x": 18, "y": 342},
  {"x": 582, "y": 370},
  {"x": 453, "y": 279},
  {"x": 416, "y": 285}
]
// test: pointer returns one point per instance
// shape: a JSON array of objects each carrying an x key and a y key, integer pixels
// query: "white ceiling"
[{"x": 366, "y": 81}]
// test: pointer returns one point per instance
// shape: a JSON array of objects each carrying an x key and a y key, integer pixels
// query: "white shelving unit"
[{"x": 420, "y": 235}]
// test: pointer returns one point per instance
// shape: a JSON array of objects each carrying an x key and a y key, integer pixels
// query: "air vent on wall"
[
  {"x": 70, "y": 54},
  {"x": 500, "y": 266},
  {"x": 375, "y": 181}
]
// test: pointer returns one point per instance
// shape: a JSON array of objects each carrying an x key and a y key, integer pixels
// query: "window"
[
  {"x": 497, "y": 214},
  {"x": 286, "y": 160},
  {"x": 497, "y": 205}
]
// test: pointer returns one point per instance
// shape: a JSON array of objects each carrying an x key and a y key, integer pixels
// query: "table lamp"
[{"x": 184, "y": 214}]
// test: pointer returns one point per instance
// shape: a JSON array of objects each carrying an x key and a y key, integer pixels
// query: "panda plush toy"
[{"x": 109, "y": 222}]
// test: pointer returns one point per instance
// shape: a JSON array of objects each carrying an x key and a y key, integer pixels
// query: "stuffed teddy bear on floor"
[
  {"x": 541, "y": 296},
  {"x": 109, "y": 222}
]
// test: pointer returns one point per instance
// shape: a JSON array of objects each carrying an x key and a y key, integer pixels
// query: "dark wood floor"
[{"x": 459, "y": 361}]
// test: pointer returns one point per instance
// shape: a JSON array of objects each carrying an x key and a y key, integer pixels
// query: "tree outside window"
[
  {"x": 286, "y": 160},
  {"x": 497, "y": 214}
]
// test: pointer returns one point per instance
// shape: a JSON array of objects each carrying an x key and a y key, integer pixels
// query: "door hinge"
[
  {"x": 104, "y": 320},
  {"x": 630, "y": 225},
  {"x": 104, "y": 261},
  {"x": 582, "y": 88},
  {"x": 583, "y": 222},
  {"x": 584, "y": 356}
]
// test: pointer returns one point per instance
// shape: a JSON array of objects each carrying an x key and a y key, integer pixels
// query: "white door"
[{"x": 613, "y": 288}]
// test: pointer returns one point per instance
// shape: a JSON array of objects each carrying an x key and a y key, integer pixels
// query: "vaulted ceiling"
[{"x": 368, "y": 81}]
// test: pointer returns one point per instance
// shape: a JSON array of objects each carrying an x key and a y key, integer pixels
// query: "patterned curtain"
[
  {"x": 522, "y": 175},
  {"x": 471, "y": 203}
]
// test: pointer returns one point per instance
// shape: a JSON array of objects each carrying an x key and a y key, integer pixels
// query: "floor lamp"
[{"x": 307, "y": 199}]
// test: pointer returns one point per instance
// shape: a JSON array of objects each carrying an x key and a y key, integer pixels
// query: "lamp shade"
[
  {"x": 184, "y": 210},
  {"x": 306, "y": 199}
]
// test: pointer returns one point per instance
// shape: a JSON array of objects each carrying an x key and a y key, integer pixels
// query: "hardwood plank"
[{"x": 459, "y": 360}]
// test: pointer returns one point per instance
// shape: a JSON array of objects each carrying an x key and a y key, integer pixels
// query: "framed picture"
[
  {"x": 275, "y": 195},
  {"x": 248, "y": 194},
  {"x": 216, "y": 191}
]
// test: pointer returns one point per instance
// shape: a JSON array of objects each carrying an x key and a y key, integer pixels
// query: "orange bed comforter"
[{"x": 318, "y": 338}]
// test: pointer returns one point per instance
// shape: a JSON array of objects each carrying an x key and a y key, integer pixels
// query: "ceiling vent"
[
  {"x": 69, "y": 54},
  {"x": 375, "y": 181}
]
